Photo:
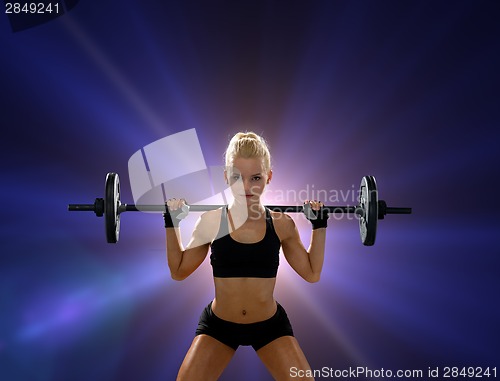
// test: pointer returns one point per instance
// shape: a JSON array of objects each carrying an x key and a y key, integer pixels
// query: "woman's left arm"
[{"x": 307, "y": 263}]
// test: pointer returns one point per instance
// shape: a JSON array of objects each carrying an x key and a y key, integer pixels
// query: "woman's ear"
[
  {"x": 269, "y": 176},
  {"x": 225, "y": 177}
]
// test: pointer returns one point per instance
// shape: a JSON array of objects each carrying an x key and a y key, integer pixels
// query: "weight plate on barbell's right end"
[
  {"x": 368, "y": 200},
  {"x": 111, "y": 205}
]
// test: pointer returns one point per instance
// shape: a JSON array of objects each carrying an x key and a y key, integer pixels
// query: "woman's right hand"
[{"x": 175, "y": 211}]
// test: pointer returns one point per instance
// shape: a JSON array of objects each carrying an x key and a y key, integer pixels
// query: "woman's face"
[{"x": 247, "y": 179}]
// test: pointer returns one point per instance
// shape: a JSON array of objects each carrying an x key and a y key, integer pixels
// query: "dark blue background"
[{"x": 407, "y": 91}]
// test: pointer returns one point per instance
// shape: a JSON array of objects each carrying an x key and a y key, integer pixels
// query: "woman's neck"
[{"x": 245, "y": 211}]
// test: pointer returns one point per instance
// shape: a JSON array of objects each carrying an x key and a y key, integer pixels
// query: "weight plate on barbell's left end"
[
  {"x": 111, "y": 205},
  {"x": 368, "y": 200}
]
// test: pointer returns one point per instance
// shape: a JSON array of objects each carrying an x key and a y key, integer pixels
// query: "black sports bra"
[{"x": 233, "y": 259}]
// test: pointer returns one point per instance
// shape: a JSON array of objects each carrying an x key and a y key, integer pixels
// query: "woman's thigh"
[
  {"x": 205, "y": 360},
  {"x": 284, "y": 359}
]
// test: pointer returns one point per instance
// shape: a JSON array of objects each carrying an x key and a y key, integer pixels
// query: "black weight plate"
[
  {"x": 111, "y": 205},
  {"x": 368, "y": 201}
]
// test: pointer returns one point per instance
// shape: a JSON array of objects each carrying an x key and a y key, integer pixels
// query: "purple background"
[{"x": 403, "y": 90}]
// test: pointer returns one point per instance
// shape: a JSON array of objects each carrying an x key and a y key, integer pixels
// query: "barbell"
[{"x": 369, "y": 209}]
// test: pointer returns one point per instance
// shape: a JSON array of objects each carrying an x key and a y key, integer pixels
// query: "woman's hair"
[{"x": 248, "y": 145}]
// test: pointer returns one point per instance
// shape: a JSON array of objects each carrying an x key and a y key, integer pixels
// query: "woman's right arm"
[{"x": 182, "y": 262}]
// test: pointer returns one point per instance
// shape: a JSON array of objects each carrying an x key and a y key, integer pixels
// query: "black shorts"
[{"x": 235, "y": 334}]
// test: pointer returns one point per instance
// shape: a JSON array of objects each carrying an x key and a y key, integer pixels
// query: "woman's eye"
[{"x": 256, "y": 178}]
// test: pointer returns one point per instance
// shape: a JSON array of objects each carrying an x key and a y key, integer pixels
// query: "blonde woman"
[{"x": 244, "y": 239}]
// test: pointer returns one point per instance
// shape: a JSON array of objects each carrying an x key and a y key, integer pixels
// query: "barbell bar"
[{"x": 369, "y": 209}]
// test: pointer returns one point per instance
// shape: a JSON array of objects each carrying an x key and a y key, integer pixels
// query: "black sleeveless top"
[{"x": 233, "y": 259}]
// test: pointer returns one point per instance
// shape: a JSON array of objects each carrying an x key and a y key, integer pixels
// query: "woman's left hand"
[{"x": 315, "y": 213}]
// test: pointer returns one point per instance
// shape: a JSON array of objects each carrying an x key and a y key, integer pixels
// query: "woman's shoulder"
[
  {"x": 211, "y": 215},
  {"x": 283, "y": 224},
  {"x": 209, "y": 221},
  {"x": 207, "y": 225}
]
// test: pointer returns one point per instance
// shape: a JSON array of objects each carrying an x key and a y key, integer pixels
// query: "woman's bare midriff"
[{"x": 244, "y": 300}]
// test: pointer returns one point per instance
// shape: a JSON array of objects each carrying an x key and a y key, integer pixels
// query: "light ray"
[{"x": 113, "y": 73}]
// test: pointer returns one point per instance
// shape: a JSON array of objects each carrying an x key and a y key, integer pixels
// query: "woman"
[{"x": 245, "y": 239}]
